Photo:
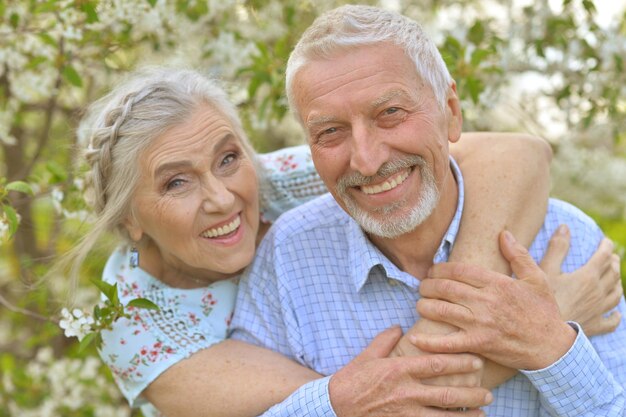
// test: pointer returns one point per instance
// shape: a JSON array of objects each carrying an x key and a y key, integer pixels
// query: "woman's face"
[{"x": 196, "y": 204}]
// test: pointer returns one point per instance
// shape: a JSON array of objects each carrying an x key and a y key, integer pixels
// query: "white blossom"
[{"x": 77, "y": 323}]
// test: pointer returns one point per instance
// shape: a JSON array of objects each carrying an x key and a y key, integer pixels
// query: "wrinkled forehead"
[
  {"x": 195, "y": 136},
  {"x": 371, "y": 74}
]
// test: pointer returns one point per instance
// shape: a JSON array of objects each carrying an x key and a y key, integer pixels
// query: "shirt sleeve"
[
  {"x": 589, "y": 380},
  {"x": 578, "y": 384},
  {"x": 310, "y": 400},
  {"x": 288, "y": 179}
]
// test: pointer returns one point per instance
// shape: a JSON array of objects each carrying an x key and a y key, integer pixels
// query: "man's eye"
[
  {"x": 229, "y": 159},
  {"x": 392, "y": 110},
  {"x": 329, "y": 131}
]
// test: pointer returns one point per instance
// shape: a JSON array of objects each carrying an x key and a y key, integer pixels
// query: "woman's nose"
[{"x": 217, "y": 196}]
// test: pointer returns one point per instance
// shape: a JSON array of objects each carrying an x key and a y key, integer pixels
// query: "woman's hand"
[{"x": 589, "y": 293}]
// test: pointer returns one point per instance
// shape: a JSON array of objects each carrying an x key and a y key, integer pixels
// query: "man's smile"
[{"x": 388, "y": 184}]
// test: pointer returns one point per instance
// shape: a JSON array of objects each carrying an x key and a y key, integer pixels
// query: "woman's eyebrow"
[{"x": 171, "y": 166}]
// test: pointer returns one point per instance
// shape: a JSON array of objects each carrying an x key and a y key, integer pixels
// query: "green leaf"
[
  {"x": 589, "y": 6},
  {"x": 475, "y": 87},
  {"x": 152, "y": 2},
  {"x": 478, "y": 56},
  {"x": 259, "y": 78},
  {"x": 46, "y": 38},
  {"x": 46, "y": 7},
  {"x": 90, "y": 11},
  {"x": 14, "y": 19},
  {"x": 109, "y": 291},
  {"x": 20, "y": 187},
  {"x": 12, "y": 219},
  {"x": 70, "y": 74},
  {"x": 476, "y": 33},
  {"x": 97, "y": 315},
  {"x": 57, "y": 171},
  {"x": 34, "y": 63},
  {"x": 142, "y": 303},
  {"x": 87, "y": 340},
  {"x": 115, "y": 298}
]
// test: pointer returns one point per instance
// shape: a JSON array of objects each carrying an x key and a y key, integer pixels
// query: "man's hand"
[
  {"x": 587, "y": 294},
  {"x": 514, "y": 322},
  {"x": 373, "y": 385}
]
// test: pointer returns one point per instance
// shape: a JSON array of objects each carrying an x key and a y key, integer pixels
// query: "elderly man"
[{"x": 379, "y": 108}]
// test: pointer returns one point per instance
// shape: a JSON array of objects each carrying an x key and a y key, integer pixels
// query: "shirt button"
[{"x": 393, "y": 282}]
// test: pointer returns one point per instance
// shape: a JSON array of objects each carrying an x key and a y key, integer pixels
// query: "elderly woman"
[{"x": 172, "y": 171}]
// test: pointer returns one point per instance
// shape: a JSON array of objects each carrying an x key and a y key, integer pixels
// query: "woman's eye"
[{"x": 175, "y": 183}]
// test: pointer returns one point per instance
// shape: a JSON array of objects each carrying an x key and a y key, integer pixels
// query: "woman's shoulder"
[
  {"x": 288, "y": 180},
  {"x": 139, "y": 347}
]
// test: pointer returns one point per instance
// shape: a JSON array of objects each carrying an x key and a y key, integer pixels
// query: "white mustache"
[{"x": 389, "y": 168}]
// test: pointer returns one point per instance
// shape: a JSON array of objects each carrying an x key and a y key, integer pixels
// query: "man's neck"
[{"x": 413, "y": 252}]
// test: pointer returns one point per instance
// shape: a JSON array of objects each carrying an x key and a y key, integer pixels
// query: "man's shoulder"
[
  {"x": 585, "y": 234},
  {"x": 562, "y": 212}
]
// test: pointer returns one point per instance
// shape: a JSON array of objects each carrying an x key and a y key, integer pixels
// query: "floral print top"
[{"x": 139, "y": 349}]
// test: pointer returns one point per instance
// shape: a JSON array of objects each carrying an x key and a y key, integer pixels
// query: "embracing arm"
[
  {"x": 507, "y": 188},
  {"x": 507, "y": 182},
  {"x": 506, "y": 179},
  {"x": 230, "y": 378}
]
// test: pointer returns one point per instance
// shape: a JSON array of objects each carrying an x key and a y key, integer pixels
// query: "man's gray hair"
[{"x": 351, "y": 26}]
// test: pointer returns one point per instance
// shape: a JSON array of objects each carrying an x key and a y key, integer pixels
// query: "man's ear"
[
  {"x": 454, "y": 114},
  {"x": 135, "y": 232}
]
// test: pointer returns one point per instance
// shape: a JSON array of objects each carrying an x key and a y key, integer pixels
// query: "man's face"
[{"x": 378, "y": 138}]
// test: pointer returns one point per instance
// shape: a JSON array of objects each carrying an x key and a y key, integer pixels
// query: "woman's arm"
[
  {"x": 230, "y": 378},
  {"x": 507, "y": 181},
  {"x": 509, "y": 191}
]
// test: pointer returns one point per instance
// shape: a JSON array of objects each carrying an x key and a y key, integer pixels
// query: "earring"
[{"x": 134, "y": 258}]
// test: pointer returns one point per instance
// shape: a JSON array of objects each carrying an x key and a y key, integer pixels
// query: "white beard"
[{"x": 382, "y": 222}]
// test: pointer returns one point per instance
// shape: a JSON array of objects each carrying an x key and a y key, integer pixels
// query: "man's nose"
[{"x": 368, "y": 152}]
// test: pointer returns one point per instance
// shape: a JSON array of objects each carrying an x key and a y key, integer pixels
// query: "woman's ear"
[
  {"x": 454, "y": 114},
  {"x": 135, "y": 232}
]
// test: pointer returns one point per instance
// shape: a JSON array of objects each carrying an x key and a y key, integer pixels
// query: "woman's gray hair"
[
  {"x": 350, "y": 26},
  {"x": 121, "y": 125}
]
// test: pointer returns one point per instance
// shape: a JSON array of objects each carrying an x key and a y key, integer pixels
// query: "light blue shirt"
[{"x": 319, "y": 291}]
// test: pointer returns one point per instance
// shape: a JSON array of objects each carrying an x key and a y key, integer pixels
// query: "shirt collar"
[{"x": 364, "y": 255}]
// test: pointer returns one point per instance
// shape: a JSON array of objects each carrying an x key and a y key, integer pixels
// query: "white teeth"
[
  {"x": 223, "y": 230},
  {"x": 387, "y": 185}
]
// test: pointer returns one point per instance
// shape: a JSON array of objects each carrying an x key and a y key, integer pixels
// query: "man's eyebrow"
[
  {"x": 387, "y": 97},
  {"x": 320, "y": 120},
  {"x": 223, "y": 141}
]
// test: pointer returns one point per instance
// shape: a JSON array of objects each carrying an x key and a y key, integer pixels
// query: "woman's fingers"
[
  {"x": 603, "y": 325},
  {"x": 556, "y": 252},
  {"x": 602, "y": 259}
]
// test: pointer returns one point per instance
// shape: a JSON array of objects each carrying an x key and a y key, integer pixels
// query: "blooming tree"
[{"x": 551, "y": 68}]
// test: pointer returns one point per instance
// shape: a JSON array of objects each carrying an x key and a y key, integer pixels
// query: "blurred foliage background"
[{"x": 552, "y": 68}]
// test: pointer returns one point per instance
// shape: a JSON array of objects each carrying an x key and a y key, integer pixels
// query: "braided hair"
[{"x": 120, "y": 126}]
